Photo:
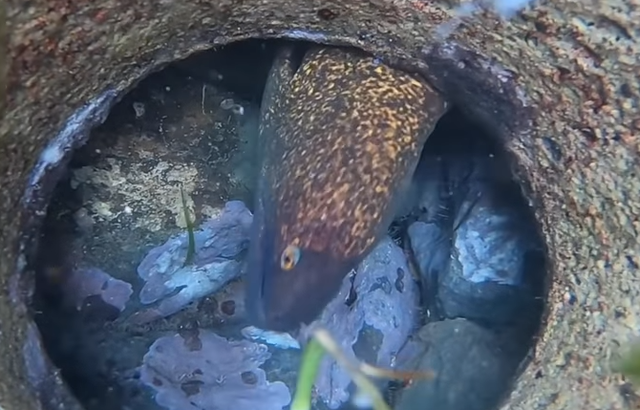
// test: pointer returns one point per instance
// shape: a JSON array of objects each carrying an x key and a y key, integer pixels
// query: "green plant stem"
[
  {"x": 362, "y": 382},
  {"x": 313, "y": 353},
  {"x": 191, "y": 250}
]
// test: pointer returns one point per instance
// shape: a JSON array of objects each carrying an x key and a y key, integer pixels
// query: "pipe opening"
[{"x": 132, "y": 324}]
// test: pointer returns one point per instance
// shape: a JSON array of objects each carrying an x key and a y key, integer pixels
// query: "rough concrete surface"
[{"x": 558, "y": 83}]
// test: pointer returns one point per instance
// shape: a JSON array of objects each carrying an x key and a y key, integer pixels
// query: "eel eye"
[{"x": 290, "y": 257}]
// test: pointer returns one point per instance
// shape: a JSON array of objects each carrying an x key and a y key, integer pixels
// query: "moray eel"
[{"x": 340, "y": 137}]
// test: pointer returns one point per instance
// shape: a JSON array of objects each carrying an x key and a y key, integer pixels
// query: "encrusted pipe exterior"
[{"x": 557, "y": 83}]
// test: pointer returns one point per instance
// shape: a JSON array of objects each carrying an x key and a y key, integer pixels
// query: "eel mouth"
[{"x": 136, "y": 180}]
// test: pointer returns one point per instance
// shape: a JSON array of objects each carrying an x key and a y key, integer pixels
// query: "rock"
[
  {"x": 203, "y": 371},
  {"x": 472, "y": 366},
  {"x": 218, "y": 248},
  {"x": 424, "y": 189},
  {"x": 495, "y": 266},
  {"x": 85, "y": 282},
  {"x": 431, "y": 247},
  {"x": 230, "y": 302},
  {"x": 370, "y": 318},
  {"x": 430, "y": 237},
  {"x": 280, "y": 340}
]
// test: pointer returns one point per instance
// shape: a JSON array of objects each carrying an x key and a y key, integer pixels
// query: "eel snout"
[{"x": 309, "y": 289}]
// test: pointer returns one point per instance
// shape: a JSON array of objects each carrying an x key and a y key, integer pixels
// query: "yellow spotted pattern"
[{"x": 349, "y": 131}]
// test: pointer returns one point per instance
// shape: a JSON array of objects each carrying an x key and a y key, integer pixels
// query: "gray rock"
[
  {"x": 219, "y": 246},
  {"x": 496, "y": 259},
  {"x": 203, "y": 371},
  {"x": 279, "y": 340},
  {"x": 375, "y": 325},
  {"x": 432, "y": 249},
  {"x": 495, "y": 262},
  {"x": 473, "y": 368},
  {"x": 91, "y": 281},
  {"x": 423, "y": 191},
  {"x": 489, "y": 302}
]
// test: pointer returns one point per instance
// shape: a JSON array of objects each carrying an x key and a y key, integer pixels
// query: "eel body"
[{"x": 341, "y": 135}]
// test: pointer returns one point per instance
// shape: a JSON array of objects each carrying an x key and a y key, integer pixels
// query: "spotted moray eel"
[{"x": 340, "y": 137}]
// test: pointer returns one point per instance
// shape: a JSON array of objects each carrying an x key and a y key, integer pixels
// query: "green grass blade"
[
  {"x": 313, "y": 353},
  {"x": 363, "y": 383},
  {"x": 191, "y": 250}
]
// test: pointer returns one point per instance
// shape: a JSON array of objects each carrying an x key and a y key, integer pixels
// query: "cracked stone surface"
[{"x": 558, "y": 83}]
